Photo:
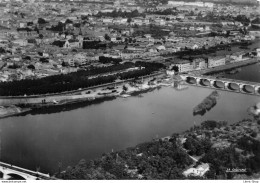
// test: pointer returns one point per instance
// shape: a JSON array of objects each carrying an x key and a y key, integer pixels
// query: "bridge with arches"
[
  {"x": 11, "y": 172},
  {"x": 233, "y": 85}
]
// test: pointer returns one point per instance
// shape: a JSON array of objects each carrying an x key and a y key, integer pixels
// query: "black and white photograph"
[{"x": 129, "y": 90}]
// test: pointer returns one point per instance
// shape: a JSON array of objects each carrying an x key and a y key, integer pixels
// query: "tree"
[
  {"x": 22, "y": 15},
  {"x": 242, "y": 19},
  {"x": 27, "y": 58},
  {"x": 37, "y": 30},
  {"x": 125, "y": 88},
  {"x": 107, "y": 37},
  {"x": 129, "y": 20},
  {"x": 64, "y": 64},
  {"x": 44, "y": 60},
  {"x": 77, "y": 25},
  {"x": 2, "y": 50},
  {"x": 256, "y": 21},
  {"x": 41, "y": 21},
  {"x": 31, "y": 67},
  {"x": 136, "y": 26},
  {"x": 83, "y": 17},
  {"x": 60, "y": 27},
  {"x": 29, "y": 23},
  {"x": 68, "y": 21}
]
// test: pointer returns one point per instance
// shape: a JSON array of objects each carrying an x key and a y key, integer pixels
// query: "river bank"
[
  {"x": 87, "y": 96},
  {"x": 8, "y": 111},
  {"x": 211, "y": 143}
]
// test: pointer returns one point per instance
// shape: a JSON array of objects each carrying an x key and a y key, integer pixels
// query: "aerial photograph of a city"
[{"x": 130, "y": 90}]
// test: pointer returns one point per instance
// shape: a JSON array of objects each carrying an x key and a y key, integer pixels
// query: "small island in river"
[{"x": 208, "y": 103}]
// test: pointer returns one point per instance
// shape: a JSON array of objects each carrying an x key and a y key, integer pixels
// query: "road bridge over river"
[
  {"x": 11, "y": 172},
  {"x": 233, "y": 85}
]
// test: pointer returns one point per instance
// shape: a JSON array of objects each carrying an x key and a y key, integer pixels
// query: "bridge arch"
[
  {"x": 218, "y": 84},
  {"x": 204, "y": 82},
  {"x": 232, "y": 86},
  {"x": 222, "y": 83},
  {"x": 247, "y": 88},
  {"x": 257, "y": 90},
  {"x": 191, "y": 80},
  {"x": 14, "y": 176}
]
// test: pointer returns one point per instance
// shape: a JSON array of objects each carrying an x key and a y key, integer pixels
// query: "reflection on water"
[
  {"x": 45, "y": 138},
  {"x": 179, "y": 86}
]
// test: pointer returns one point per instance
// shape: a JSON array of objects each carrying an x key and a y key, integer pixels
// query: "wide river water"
[
  {"x": 248, "y": 73},
  {"x": 68, "y": 135}
]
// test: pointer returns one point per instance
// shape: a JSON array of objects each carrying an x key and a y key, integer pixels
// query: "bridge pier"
[
  {"x": 15, "y": 172},
  {"x": 226, "y": 84},
  {"x": 6, "y": 176},
  {"x": 241, "y": 87},
  {"x": 198, "y": 81},
  {"x": 257, "y": 90},
  {"x": 184, "y": 77},
  {"x": 212, "y": 83}
]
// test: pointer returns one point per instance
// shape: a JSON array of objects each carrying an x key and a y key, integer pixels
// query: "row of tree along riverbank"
[{"x": 77, "y": 80}]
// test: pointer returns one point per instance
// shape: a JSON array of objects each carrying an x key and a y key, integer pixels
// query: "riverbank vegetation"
[
  {"x": 208, "y": 103},
  {"x": 224, "y": 147},
  {"x": 204, "y": 51},
  {"x": 120, "y": 13},
  {"x": 255, "y": 111},
  {"x": 151, "y": 160},
  {"x": 77, "y": 80}
]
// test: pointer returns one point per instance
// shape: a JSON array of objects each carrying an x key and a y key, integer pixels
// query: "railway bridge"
[{"x": 232, "y": 85}]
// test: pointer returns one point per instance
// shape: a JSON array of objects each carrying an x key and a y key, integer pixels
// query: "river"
[
  {"x": 248, "y": 73},
  {"x": 87, "y": 131}
]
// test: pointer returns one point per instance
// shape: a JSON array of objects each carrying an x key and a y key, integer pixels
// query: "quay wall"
[{"x": 30, "y": 100}]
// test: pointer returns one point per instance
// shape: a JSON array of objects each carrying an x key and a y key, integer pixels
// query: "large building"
[
  {"x": 198, "y": 171},
  {"x": 258, "y": 52},
  {"x": 216, "y": 61},
  {"x": 197, "y": 3},
  {"x": 176, "y": 3},
  {"x": 182, "y": 65},
  {"x": 199, "y": 63}
]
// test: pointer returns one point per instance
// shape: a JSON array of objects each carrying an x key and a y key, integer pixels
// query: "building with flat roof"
[
  {"x": 198, "y": 171},
  {"x": 216, "y": 61}
]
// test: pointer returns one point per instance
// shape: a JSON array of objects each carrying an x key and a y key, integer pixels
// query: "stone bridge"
[
  {"x": 233, "y": 85},
  {"x": 11, "y": 172}
]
